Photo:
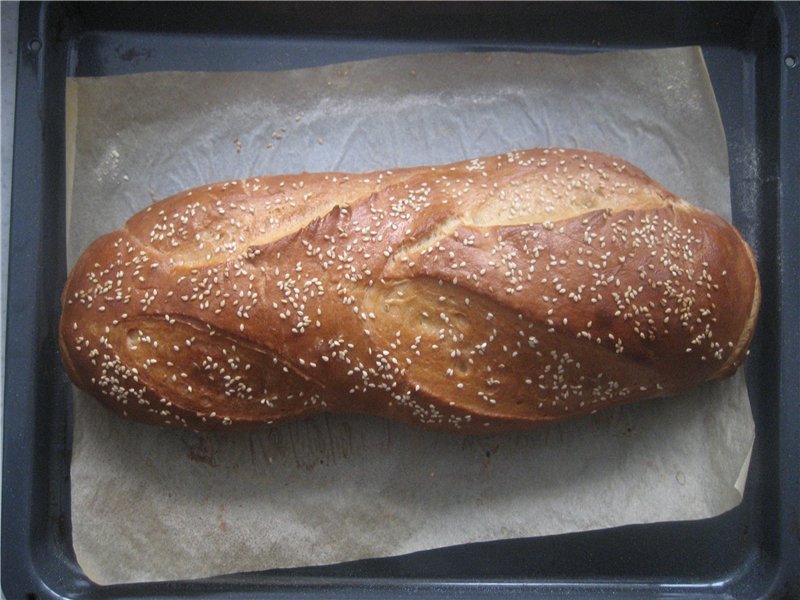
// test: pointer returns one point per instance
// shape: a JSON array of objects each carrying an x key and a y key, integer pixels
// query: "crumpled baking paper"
[{"x": 153, "y": 504}]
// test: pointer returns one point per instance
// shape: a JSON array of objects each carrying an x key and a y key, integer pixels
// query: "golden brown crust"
[{"x": 480, "y": 296}]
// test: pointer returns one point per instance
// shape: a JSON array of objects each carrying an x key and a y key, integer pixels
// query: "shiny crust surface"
[{"x": 485, "y": 295}]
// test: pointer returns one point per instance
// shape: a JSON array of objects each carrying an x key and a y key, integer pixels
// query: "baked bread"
[{"x": 484, "y": 295}]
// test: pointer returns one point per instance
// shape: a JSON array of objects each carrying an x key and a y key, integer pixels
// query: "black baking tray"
[{"x": 752, "y": 52}]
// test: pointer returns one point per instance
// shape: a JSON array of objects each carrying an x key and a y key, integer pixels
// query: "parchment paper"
[{"x": 151, "y": 504}]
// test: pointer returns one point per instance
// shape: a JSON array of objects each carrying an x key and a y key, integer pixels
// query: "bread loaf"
[{"x": 484, "y": 295}]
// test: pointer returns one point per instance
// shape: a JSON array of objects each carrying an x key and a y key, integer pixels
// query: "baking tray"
[{"x": 752, "y": 52}]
